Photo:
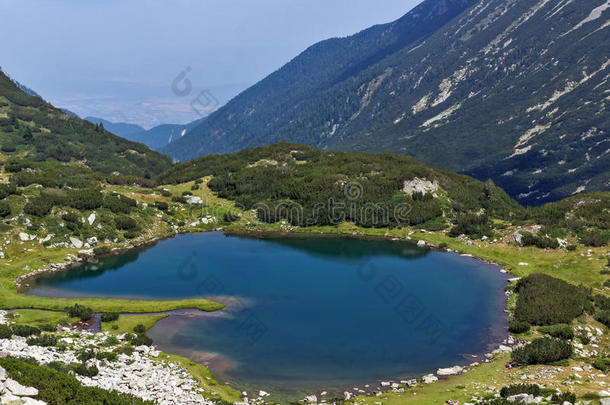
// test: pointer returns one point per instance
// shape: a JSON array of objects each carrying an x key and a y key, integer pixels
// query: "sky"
[{"x": 117, "y": 59}]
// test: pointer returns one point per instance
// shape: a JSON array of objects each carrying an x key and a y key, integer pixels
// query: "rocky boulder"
[
  {"x": 19, "y": 390},
  {"x": 450, "y": 371}
]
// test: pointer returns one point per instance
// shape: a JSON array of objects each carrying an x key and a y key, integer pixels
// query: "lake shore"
[{"x": 488, "y": 253}]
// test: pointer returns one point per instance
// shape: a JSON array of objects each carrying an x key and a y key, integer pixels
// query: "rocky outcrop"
[
  {"x": 11, "y": 392},
  {"x": 141, "y": 374},
  {"x": 450, "y": 371},
  {"x": 417, "y": 185}
]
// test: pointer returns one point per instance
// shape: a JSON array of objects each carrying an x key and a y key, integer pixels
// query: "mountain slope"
[
  {"x": 122, "y": 129},
  {"x": 252, "y": 114},
  {"x": 514, "y": 90},
  {"x": 35, "y": 130}
]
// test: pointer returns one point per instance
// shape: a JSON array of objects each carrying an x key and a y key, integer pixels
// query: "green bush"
[
  {"x": 132, "y": 233},
  {"x": 142, "y": 340},
  {"x": 595, "y": 237},
  {"x": 124, "y": 222},
  {"x": 79, "y": 311},
  {"x": 544, "y": 300},
  {"x": 601, "y": 301},
  {"x": 111, "y": 341},
  {"x": 110, "y": 316},
  {"x": 71, "y": 216},
  {"x": 139, "y": 328},
  {"x": 166, "y": 193},
  {"x": 108, "y": 356},
  {"x": 604, "y": 317},
  {"x": 118, "y": 203},
  {"x": 162, "y": 205},
  {"x": 61, "y": 367},
  {"x": 541, "y": 241},
  {"x": 230, "y": 217},
  {"x": 561, "y": 331},
  {"x": 25, "y": 330},
  {"x": 515, "y": 389},
  {"x": 48, "y": 328},
  {"x": 473, "y": 225},
  {"x": 563, "y": 398},
  {"x": 584, "y": 338},
  {"x": 39, "y": 207},
  {"x": 127, "y": 350},
  {"x": 85, "y": 371},
  {"x": 542, "y": 351},
  {"x": 6, "y": 190},
  {"x": 602, "y": 364},
  {"x": 5, "y": 209},
  {"x": 44, "y": 340},
  {"x": 84, "y": 199},
  {"x": 85, "y": 354},
  {"x": 101, "y": 250},
  {"x": 5, "y": 332},
  {"x": 518, "y": 327},
  {"x": 181, "y": 200}
]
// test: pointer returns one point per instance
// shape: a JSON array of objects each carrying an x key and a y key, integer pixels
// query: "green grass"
[
  {"x": 461, "y": 387},
  {"x": 126, "y": 323},
  {"x": 34, "y": 317}
]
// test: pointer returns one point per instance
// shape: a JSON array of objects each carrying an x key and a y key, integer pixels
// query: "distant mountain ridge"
[
  {"x": 121, "y": 129},
  {"x": 155, "y": 138},
  {"x": 510, "y": 90}
]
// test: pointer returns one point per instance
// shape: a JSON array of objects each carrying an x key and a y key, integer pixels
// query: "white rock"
[
  {"x": 522, "y": 399},
  {"x": 10, "y": 399},
  {"x": 17, "y": 389},
  {"x": 26, "y": 237},
  {"x": 32, "y": 401},
  {"x": 91, "y": 218},
  {"x": 194, "y": 200},
  {"x": 418, "y": 185},
  {"x": 312, "y": 399},
  {"x": 421, "y": 243},
  {"x": 77, "y": 243},
  {"x": 429, "y": 378},
  {"x": 449, "y": 371},
  {"x": 604, "y": 394}
]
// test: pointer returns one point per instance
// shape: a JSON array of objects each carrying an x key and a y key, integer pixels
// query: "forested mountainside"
[
  {"x": 304, "y": 186},
  {"x": 33, "y": 129},
  {"x": 515, "y": 91}
]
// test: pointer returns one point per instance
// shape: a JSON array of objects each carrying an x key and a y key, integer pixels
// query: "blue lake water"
[{"x": 306, "y": 313}]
